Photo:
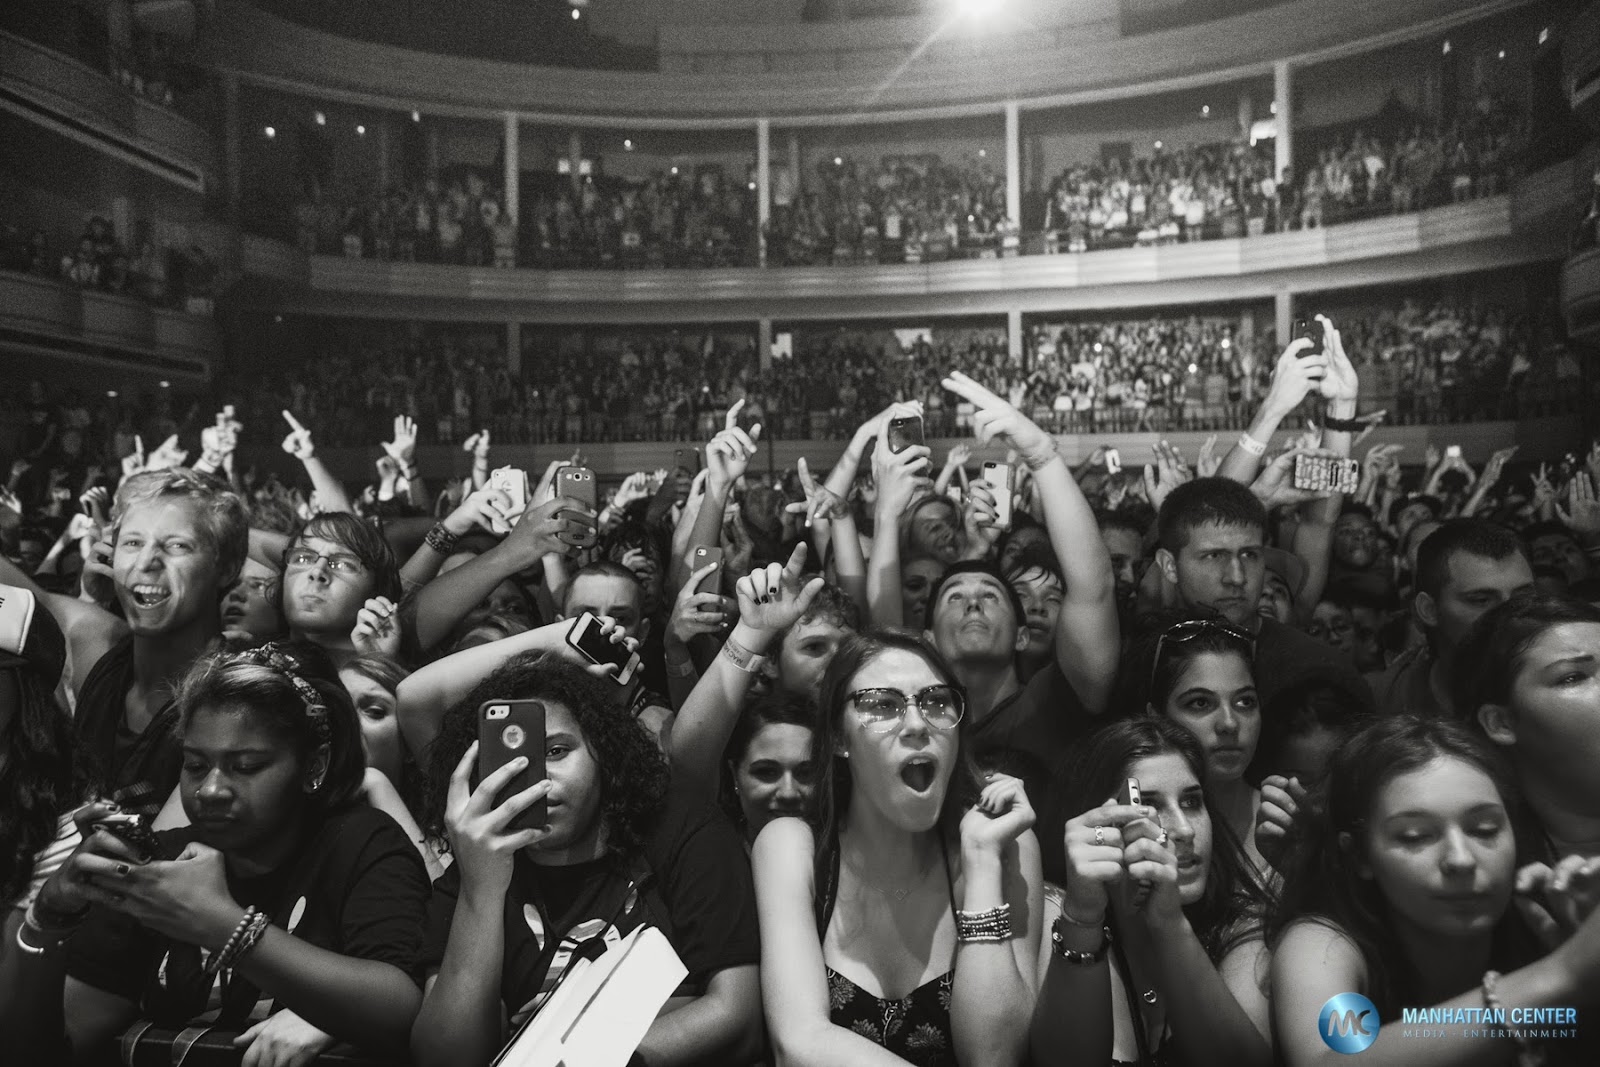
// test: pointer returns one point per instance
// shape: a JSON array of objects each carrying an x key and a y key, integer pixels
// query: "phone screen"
[{"x": 585, "y": 636}]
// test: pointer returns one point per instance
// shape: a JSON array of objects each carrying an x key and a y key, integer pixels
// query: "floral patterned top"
[{"x": 916, "y": 1028}]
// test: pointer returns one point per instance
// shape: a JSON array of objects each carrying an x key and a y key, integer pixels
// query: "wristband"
[
  {"x": 1342, "y": 425},
  {"x": 441, "y": 540},
  {"x": 741, "y": 657},
  {"x": 1080, "y": 959},
  {"x": 1039, "y": 461},
  {"x": 1251, "y": 445}
]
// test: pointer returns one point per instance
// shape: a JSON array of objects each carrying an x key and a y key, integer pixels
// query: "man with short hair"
[
  {"x": 621, "y": 848},
  {"x": 1464, "y": 568},
  {"x": 1212, "y": 534},
  {"x": 175, "y": 548},
  {"x": 332, "y": 567}
]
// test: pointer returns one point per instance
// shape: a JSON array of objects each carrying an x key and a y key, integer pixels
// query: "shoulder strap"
[{"x": 830, "y": 891}]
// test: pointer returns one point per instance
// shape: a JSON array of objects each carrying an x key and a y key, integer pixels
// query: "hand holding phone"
[
  {"x": 588, "y": 637},
  {"x": 132, "y": 831},
  {"x": 905, "y": 432},
  {"x": 508, "y": 729},
  {"x": 1113, "y": 461},
  {"x": 702, "y": 557},
  {"x": 1311, "y": 330},
  {"x": 514, "y": 484},
  {"x": 998, "y": 477},
  {"x": 1129, "y": 795},
  {"x": 1326, "y": 474}
]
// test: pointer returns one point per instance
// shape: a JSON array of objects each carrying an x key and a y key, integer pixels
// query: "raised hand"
[
  {"x": 1582, "y": 513},
  {"x": 1167, "y": 473},
  {"x": 960, "y": 455},
  {"x": 998, "y": 419},
  {"x": 1562, "y": 897},
  {"x": 820, "y": 504},
  {"x": 487, "y": 507},
  {"x": 901, "y": 477},
  {"x": 1094, "y": 860},
  {"x": 9, "y": 501},
  {"x": 634, "y": 487},
  {"x": 1152, "y": 866},
  {"x": 1295, "y": 377},
  {"x": 1340, "y": 383},
  {"x": 377, "y": 630},
  {"x": 404, "y": 445},
  {"x": 1208, "y": 462},
  {"x": 220, "y": 440},
  {"x": 728, "y": 454},
  {"x": 479, "y": 828},
  {"x": 1274, "y": 486},
  {"x": 773, "y": 598},
  {"x": 133, "y": 463},
  {"x": 168, "y": 455},
  {"x": 555, "y": 527},
  {"x": 695, "y": 612},
  {"x": 298, "y": 444},
  {"x": 1281, "y": 800},
  {"x": 478, "y": 445},
  {"x": 980, "y": 518},
  {"x": 1001, "y": 815}
]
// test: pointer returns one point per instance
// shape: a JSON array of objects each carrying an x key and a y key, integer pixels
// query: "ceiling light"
[
  {"x": 322, "y": 120},
  {"x": 270, "y": 132}
]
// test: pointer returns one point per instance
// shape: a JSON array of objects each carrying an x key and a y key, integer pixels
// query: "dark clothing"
[
  {"x": 1040, "y": 722},
  {"x": 1287, "y": 659},
  {"x": 138, "y": 771},
  {"x": 692, "y": 881},
  {"x": 1405, "y": 688},
  {"x": 356, "y": 886}
]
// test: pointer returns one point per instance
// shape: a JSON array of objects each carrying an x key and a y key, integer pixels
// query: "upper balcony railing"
[{"x": 937, "y": 81}]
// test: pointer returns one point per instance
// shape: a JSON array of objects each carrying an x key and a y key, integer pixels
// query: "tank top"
[{"x": 915, "y": 1027}]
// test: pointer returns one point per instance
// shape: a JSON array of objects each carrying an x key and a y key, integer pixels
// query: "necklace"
[{"x": 897, "y": 895}]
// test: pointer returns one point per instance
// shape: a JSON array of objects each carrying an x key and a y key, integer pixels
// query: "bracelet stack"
[
  {"x": 46, "y": 929},
  {"x": 244, "y": 937},
  {"x": 991, "y": 925},
  {"x": 1072, "y": 956},
  {"x": 441, "y": 540}
]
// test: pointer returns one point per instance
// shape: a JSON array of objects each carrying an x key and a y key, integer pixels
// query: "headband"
[{"x": 273, "y": 657}]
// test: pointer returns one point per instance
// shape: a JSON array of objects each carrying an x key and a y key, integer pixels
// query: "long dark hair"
[
  {"x": 1320, "y": 880},
  {"x": 1152, "y": 663},
  {"x": 776, "y": 708},
  {"x": 39, "y": 780},
  {"x": 834, "y": 784},
  {"x": 1234, "y": 903}
]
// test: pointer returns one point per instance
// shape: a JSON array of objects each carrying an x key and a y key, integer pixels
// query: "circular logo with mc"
[{"x": 1348, "y": 1023}]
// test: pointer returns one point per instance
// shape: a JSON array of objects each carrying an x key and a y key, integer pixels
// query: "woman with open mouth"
[
  {"x": 900, "y": 924},
  {"x": 1155, "y": 951}
]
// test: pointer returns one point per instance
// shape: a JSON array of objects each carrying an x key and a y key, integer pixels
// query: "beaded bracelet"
[
  {"x": 1528, "y": 1053},
  {"x": 230, "y": 947},
  {"x": 1073, "y": 956},
  {"x": 253, "y": 933},
  {"x": 441, "y": 540},
  {"x": 991, "y": 925}
]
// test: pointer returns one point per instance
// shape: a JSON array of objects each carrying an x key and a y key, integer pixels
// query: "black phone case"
[
  {"x": 502, "y": 738},
  {"x": 905, "y": 433}
]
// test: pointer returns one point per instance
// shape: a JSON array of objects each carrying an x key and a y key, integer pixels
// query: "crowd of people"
[
  {"x": 906, "y": 762},
  {"x": 161, "y": 274}
]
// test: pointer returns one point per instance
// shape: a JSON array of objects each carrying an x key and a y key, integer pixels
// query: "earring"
[{"x": 314, "y": 784}]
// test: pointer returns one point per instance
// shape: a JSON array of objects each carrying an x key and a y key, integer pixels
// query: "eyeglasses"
[
  {"x": 1189, "y": 629},
  {"x": 262, "y": 587},
  {"x": 338, "y": 562},
  {"x": 882, "y": 710}
]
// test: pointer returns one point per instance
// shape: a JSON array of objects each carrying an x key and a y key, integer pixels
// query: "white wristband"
[{"x": 1251, "y": 445}]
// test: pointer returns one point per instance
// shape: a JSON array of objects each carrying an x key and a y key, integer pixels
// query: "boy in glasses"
[{"x": 331, "y": 568}]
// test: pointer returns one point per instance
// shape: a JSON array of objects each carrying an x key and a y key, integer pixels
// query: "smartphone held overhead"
[
  {"x": 514, "y": 484},
  {"x": 597, "y": 647},
  {"x": 508, "y": 729},
  {"x": 905, "y": 432}
]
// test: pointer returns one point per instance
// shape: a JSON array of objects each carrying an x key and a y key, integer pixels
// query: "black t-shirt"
[
  {"x": 1039, "y": 722},
  {"x": 356, "y": 886},
  {"x": 1287, "y": 658},
  {"x": 692, "y": 881},
  {"x": 138, "y": 771}
]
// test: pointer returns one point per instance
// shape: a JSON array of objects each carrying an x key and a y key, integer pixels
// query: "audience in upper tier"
[{"x": 905, "y": 764}]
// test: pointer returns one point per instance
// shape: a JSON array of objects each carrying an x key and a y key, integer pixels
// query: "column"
[
  {"x": 575, "y": 153},
  {"x": 794, "y": 161},
  {"x": 431, "y": 143},
  {"x": 233, "y": 158},
  {"x": 764, "y": 345},
  {"x": 1013, "y": 163},
  {"x": 1284, "y": 141},
  {"x": 1283, "y": 317},
  {"x": 513, "y": 154},
  {"x": 1247, "y": 114},
  {"x": 380, "y": 142},
  {"x": 1014, "y": 336},
  {"x": 514, "y": 350},
  {"x": 764, "y": 201}
]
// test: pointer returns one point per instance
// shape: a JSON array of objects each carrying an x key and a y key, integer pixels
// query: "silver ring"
[{"x": 1099, "y": 835}]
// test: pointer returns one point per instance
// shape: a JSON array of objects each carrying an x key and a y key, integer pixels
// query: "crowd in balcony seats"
[
  {"x": 106, "y": 35},
  {"x": 900, "y": 209},
  {"x": 457, "y": 219},
  {"x": 163, "y": 274}
]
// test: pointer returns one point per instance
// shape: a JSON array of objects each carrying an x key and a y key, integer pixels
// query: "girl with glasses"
[
  {"x": 901, "y": 924},
  {"x": 1154, "y": 952}
]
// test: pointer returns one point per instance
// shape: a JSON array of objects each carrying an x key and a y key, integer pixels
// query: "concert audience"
[{"x": 879, "y": 781}]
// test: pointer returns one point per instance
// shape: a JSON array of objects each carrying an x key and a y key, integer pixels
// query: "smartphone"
[
  {"x": 998, "y": 478},
  {"x": 905, "y": 432},
  {"x": 577, "y": 483},
  {"x": 712, "y": 582},
  {"x": 1113, "y": 461},
  {"x": 1322, "y": 474},
  {"x": 514, "y": 484},
  {"x": 1311, "y": 330},
  {"x": 133, "y": 831},
  {"x": 508, "y": 729},
  {"x": 1454, "y": 452},
  {"x": 1130, "y": 793},
  {"x": 585, "y": 636},
  {"x": 678, "y": 463}
]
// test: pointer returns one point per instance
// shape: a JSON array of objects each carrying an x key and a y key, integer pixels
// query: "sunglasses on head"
[{"x": 1189, "y": 629}]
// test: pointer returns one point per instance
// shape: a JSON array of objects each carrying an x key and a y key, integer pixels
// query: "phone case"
[
  {"x": 585, "y": 636},
  {"x": 1322, "y": 474},
  {"x": 998, "y": 478},
  {"x": 577, "y": 483},
  {"x": 904, "y": 433},
  {"x": 514, "y": 484},
  {"x": 1311, "y": 330},
  {"x": 1130, "y": 792},
  {"x": 133, "y": 831},
  {"x": 1113, "y": 461},
  {"x": 702, "y": 556},
  {"x": 508, "y": 729}
]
